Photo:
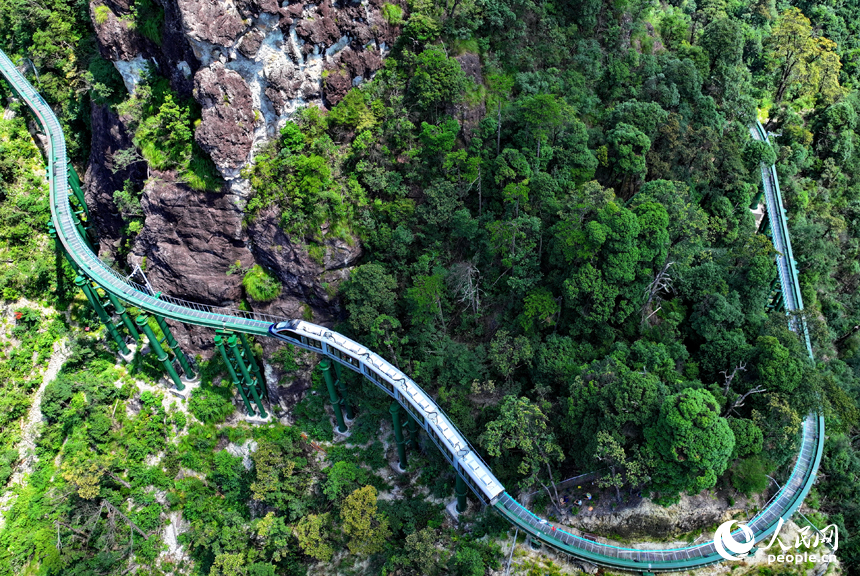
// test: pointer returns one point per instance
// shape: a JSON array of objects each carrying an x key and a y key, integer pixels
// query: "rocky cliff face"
[{"x": 250, "y": 64}]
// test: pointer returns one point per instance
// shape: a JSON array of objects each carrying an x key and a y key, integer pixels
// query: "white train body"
[{"x": 403, "y": 389}]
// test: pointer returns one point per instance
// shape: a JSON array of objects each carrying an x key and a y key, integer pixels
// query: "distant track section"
[{"x": 433, "y": 419}]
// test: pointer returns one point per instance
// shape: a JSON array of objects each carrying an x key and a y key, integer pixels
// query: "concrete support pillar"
[
  {"x": 325, "y": 366},
  {"x": 93, "y": 299},
  {"x": 174, "y": 345},
  {"x": 413, "y": 431},
  {"x": 143, "y": 323},
  {"x": 126, "y": 320},
  {"x": 398, "y": 434},
  {"x": 219, "y": 343},
  {"x": 460, "y": 490},
  {"x": 246, "y": 375}
]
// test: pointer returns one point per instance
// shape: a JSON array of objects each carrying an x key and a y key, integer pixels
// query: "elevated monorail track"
[{"x": 442, "y": 431}]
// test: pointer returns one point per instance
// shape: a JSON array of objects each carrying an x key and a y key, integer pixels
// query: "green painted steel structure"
[{"x": 71, "y": 234}]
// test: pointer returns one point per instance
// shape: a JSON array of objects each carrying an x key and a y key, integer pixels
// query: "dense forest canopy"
[{"x": 559, "y": 247}]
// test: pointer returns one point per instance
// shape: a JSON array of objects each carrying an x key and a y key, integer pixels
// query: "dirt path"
[{"x": 27, "y": 446}]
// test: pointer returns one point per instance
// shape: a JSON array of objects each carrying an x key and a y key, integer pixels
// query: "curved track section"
[{"x": 438, "y": 426}]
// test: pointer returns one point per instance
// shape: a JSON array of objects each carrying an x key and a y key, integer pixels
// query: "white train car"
[{"x": 405, "y": 391}]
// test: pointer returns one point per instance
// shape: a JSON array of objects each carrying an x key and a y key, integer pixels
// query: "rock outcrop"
[
  {"x": 250, "y": 64},
  {"x": 117, "y": 38},
  {"x": 648, "y": 520},
  {"x": 227, "y": 129},
  {"x": 300, "y": 276},
  {"x": 100, "y": 181},
  {"x": 190, "y": 240}
]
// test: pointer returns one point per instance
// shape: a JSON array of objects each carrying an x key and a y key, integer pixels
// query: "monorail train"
[{"x": 403, "y": 389}]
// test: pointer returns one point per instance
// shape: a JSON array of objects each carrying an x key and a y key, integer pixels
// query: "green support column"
[
  {"x": 344, "y": 402},
  {"x": 413, "y": 431},
  {"x": 756, "y": 199},
  {"x": 143, "y": 324},
  {"x": 341, "y": 388},
  {"x": 123, "y": 314},
  {"x": 219, "y": 343},
  {"x": 325, "y": 366},
  {"x": 252, "y": 385},
  {"x": 252, "y": 362},
  {"x": 84, "y": 285},
  {"x": 460, "y": 490},
  {"x": 398, "y": 434},
  {"x": 174, "y": 345}
]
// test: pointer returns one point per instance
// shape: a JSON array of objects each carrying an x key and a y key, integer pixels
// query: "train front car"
[{"x": 405, "y": 391}]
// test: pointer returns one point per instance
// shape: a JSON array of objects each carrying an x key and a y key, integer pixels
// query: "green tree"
[
  {"x": 628, "y": 147},
  {"x": 807, "y": 63},
  {"x": 369, "y": 293},
  {"x": 366, "y": 527},
  {"x": 693, "y": 442},
  {"x": 312, "y": 534},
  {"x": 436, "y": 80},
  {"x": 522, "y": 426}
]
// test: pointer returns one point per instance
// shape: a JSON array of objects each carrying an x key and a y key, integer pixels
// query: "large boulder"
[
  {"x": 190, "y": 241},
  {"x": 226, "y": 131}
]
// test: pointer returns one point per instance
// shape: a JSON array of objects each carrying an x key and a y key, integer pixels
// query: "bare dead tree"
[
  {"x": 662, "y": 283},
  {"x": 741, "y": 367},
  {"x": 465, "y": 280},
  {"x": 740, "y": 401}
]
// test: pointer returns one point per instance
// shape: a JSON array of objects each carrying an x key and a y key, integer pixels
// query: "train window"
[
  {"x": 312, "y": 343},
  {"x": 379, "y": 380},
  {"x": 290, "y": 334},
  {"x": 345, "y": 357},
  {"x": 416, "y": 413}
]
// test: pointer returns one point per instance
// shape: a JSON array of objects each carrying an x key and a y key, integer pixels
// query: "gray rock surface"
[{"x": 227, "y": 128}]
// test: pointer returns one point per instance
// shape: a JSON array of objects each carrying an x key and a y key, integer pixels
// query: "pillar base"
[
  {"x": 127, "y": 358},
  {"x": 400, "y": 468},
  {"x": 341, "y": 435},
  {"x": 451, "y": 509},
  {"x": 256, "y": 419}
]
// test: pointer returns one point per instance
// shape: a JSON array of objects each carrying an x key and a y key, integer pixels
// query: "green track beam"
[
  {"x": 143, "y": 323},
  {"x": 219, "y": 343},
  {"x": 252, "y": 362},
  {"x": 123, "y": 314},
  {"x": 398, "y": 434},
  {"x": 325, "y": 366},
  {"x": 246, "y": 375},
  {"x": 174, "y": 345},
  {"x": 93, "y": 298},
  {"x": 460, "y": 490},
  {"x": 413, "y": 431}
]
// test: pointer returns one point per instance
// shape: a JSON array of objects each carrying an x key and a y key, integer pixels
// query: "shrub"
[
  {"x": 749, "y": 476},
  {"x": 392, "y": 13},
  {"x": 101, "y": 14},
  {"x": 211, "y": 405},
  {"x": 260, "y": 285}
]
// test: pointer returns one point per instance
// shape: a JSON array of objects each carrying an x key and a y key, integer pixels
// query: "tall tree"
[
  {"x": 807, "y": 63},
  {"x": 523, "y": 426}
]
